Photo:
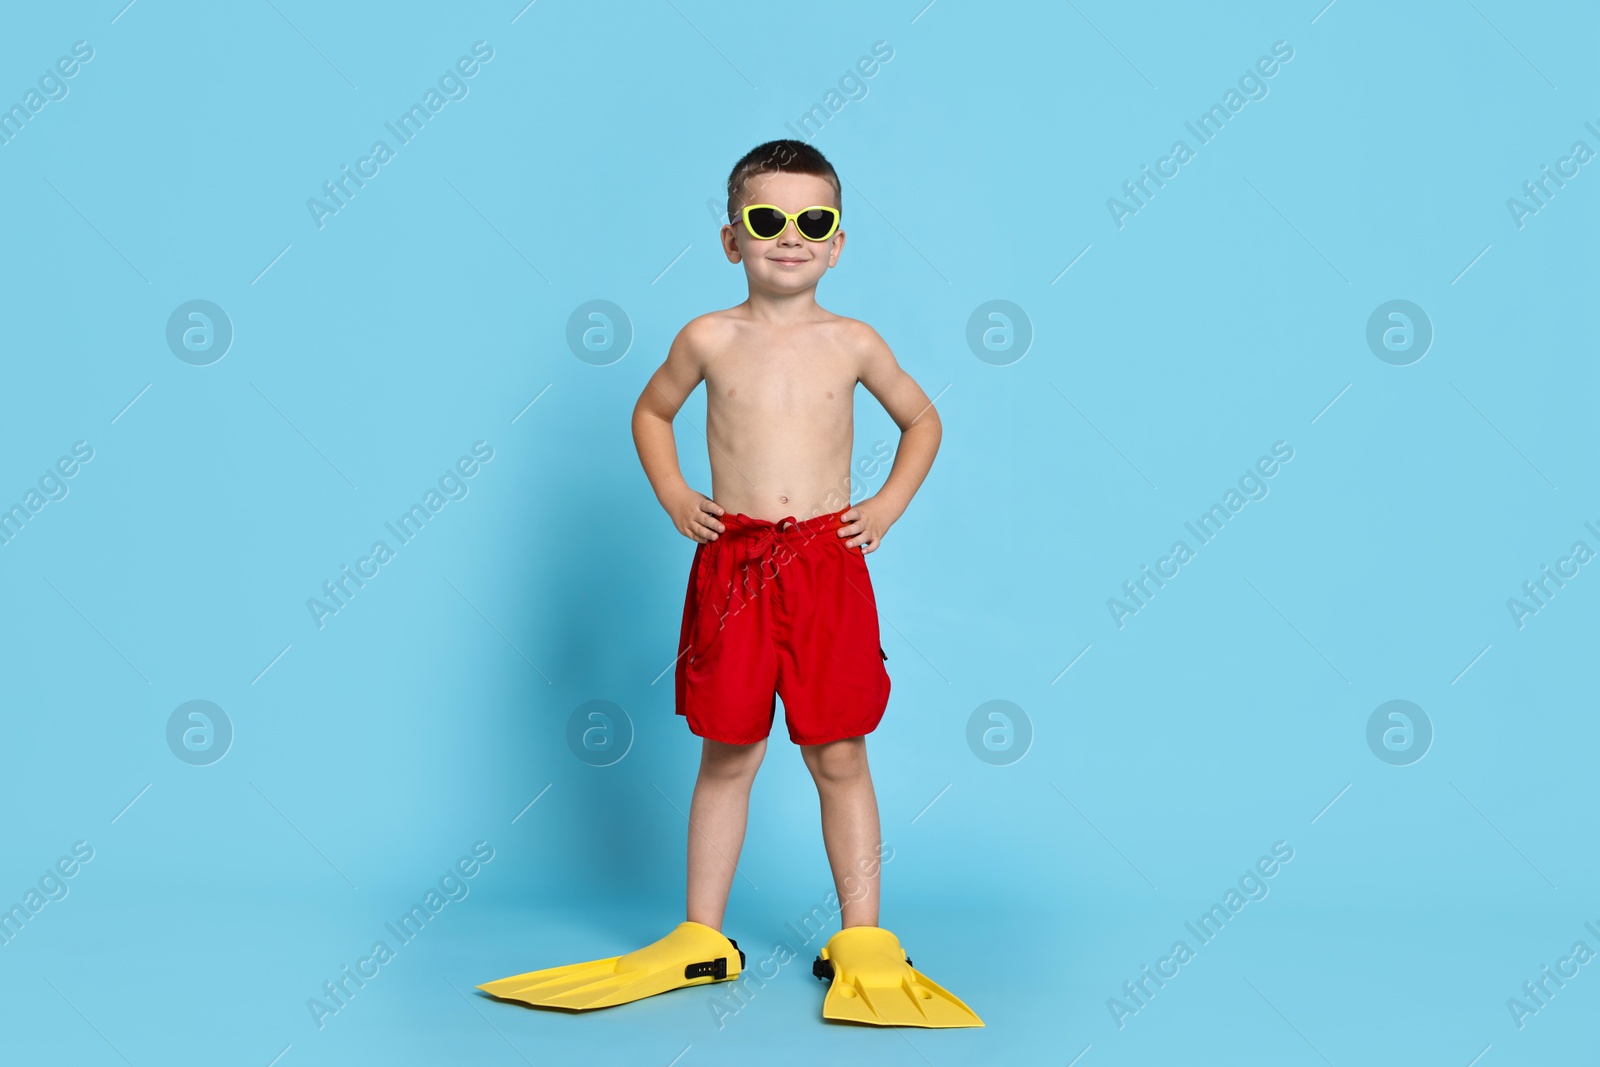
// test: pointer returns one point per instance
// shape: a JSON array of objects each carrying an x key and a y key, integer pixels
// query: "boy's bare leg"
[
  {"x": 849, "y": 825},
  {"x": 717, "y": 818}
]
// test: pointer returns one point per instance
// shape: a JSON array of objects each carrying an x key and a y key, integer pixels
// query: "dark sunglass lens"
[
  {"x": 815, "y": 223},
  {"x": 767, "y": 223}
]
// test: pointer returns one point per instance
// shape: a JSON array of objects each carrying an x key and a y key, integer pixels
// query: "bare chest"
[{"x": 777, "y": 385}]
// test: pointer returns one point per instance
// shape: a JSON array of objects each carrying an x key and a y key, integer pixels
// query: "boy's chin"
[{"x": 788, "y": 279}]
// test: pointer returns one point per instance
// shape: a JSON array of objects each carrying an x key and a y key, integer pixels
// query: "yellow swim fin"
[
  {"x": 693, "y": 954},
  {"x": 873, "y": 983}
]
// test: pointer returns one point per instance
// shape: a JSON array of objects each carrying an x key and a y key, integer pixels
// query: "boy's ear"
[
  {"x": 730, "y": 244},
  {"x": 838, "y": 246}
]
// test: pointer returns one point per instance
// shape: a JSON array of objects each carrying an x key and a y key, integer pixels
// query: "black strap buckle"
[{"x": 717, "y": 968}]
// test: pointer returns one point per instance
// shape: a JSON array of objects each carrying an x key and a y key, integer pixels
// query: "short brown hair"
[{"x": 790, "y": 156}]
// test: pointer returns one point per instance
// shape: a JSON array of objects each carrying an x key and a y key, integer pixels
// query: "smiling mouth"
[{"x": 789, "y": 262}]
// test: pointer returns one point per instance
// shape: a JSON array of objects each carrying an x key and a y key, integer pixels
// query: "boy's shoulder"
[
  {"x": 710, "y": 331},
  {"x": 858, "y": 334},
  {"x": 858, "y": 340},
  {"x": 711, "y": 322}
]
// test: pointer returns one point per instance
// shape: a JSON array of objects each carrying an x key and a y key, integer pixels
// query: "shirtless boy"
[{"x": 779, "y": 600}]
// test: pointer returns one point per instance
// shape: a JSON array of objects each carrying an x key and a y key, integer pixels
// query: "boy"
[{"x": 777, "y": 605}]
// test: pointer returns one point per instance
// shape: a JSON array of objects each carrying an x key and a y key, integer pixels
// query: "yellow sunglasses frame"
[{"x": 791, "y": 219}]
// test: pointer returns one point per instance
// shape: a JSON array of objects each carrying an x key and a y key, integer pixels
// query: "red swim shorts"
[{"x": 780, "y": 609}]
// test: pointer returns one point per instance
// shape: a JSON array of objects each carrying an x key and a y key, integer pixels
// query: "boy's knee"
[
  {"x": 721, "y": 760},
  {"x": 838, "y": 761}
]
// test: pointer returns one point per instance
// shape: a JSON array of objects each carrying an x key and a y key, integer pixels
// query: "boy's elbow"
[{"x": 647, "y": 414}]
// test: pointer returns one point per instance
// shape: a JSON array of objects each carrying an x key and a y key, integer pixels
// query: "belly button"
[{"x": 783, "y": 500}]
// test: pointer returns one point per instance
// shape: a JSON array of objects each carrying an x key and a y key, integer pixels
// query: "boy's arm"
[
  {"x": 920, "y": 432},
  {"x": 692, "y": 513}
]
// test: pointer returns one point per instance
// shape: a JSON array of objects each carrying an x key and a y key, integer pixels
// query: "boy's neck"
[{"x": 782, "y": 307}]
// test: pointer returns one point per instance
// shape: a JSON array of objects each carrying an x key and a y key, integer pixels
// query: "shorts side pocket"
[
  {"x": 703, "y": 628},
  {"x": 699, "y": 575}
]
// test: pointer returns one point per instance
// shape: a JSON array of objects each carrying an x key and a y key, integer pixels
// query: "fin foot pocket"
[
  {"x": 693, "y": 954},
  {"x": 873, "y": 982}
]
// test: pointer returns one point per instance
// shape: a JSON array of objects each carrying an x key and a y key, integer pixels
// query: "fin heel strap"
[
  {"x": 717, "y": 968},
  {"x": 823, "y": 969}
]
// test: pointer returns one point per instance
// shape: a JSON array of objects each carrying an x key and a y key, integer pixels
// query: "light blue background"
[{"x": 1227, "y": 315}]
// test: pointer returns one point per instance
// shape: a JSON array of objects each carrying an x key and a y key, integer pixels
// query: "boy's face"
[{"x": 787, "y": 262}]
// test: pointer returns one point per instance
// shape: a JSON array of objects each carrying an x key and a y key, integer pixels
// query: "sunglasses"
[{"x": 766, "y": 221}]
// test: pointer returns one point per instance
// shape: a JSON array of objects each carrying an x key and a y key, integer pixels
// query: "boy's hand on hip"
[
  {"x": 695, "y": 516},
  {"x": 865, "y": 524}
]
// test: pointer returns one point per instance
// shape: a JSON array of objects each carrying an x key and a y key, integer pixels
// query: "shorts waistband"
[{"x": 788, "y": 524}]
